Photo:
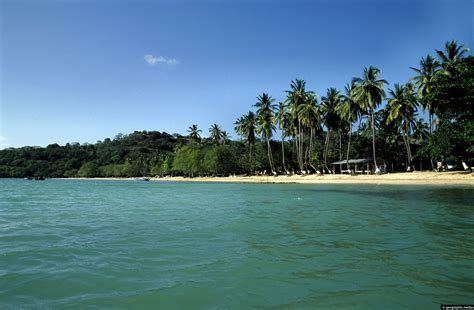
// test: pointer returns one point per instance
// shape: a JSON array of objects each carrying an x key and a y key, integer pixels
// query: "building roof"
[
  {"x": 353, "y": 161},
  {"x": 358, "y": 161}
]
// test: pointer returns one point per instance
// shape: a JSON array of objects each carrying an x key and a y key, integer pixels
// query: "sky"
[{"x": 82, "y": 71}]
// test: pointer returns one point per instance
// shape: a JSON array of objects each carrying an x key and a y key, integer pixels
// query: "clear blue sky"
[{"x": 78, "y": 71}]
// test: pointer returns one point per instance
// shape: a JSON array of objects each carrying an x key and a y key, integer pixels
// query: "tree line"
[
  {"x": 313, "y": 130},
  {"x": 437, "y": 87}
]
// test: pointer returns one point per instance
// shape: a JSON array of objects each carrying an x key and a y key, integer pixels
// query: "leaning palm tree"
[
  {"x": 369, "y": 93},
  {"x": 402, "y": 107},
  {"x": 452, "y": 54},
  {"x": 215, "y": 133},
  {"x": 194, "y": 133},
  {"x": 310, "y": 115},
  {"x": 281, "y": 118},
  {"x": 297, "y": 96},
  {"x": 331, "y": 118},
  {"x": 249, "y": 133},
  {"x": 349, "y": 111},
  {"x": 265, "y": 123}
]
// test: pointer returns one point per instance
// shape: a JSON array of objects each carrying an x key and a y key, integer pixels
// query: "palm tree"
[
  {"x": 329, "y": 104},
  {"x": 349, "y": 111},
  {"x": 194, "y": 133},
  {"x": 215, "y": 133},
  {"x": 426, "y": 75},
  {"x": 297, "y": 96},
  {"x": 424, "y": 79},
  {"x": 281, "y": 119},
  {"x": 420, "y": 130},
  {"x": 309, "y": 114},
  {"x": 265, "y": 124},
  {"x": 369, "y": 93},
  {"x": 402, "y": 107},
  {"x": 225, "y": 137},
  {"x": 239, "y": 126},
  {"x": 249, "y": 132},
  {"x": 451, "y": 55}
]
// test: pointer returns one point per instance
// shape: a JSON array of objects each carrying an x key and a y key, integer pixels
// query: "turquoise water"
[{"x": 125, "y": 244}]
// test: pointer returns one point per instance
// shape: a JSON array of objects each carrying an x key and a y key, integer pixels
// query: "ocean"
[{"x": 147, "y": 245}]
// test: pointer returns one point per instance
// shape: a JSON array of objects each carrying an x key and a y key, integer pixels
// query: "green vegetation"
[{"x": 312, "y": 133}]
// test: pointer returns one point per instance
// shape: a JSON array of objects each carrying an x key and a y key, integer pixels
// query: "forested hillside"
[{"x": 126, "y": 155}]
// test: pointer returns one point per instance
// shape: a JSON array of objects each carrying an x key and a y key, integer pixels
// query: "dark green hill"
[{"x": 125, "y": 155}]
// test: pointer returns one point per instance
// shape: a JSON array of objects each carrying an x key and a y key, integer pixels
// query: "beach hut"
[{"x": 361, "y": 165}]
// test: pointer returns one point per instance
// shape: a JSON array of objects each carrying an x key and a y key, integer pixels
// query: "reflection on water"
[{"x": 131, "y": 244}]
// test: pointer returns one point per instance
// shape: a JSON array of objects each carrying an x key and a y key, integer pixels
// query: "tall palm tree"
[
  {"x": 265, "y": 123},
  {"x": 349, "y": 111},
  {"x": 369, "y": 93},
  {"x": 281, "y": 119},
  {"x": 413, "y": 102},
  {"x": 249, "y": 132},
  {"x": 239, "y": 126},
  {"x": 215, "y": 133},
  {"x": 309, "y": 114},
  {"x": 297, "y": 96},
  {"x": 426, "y": 75},
  {"x": 290, "y": 131},
  {"x": 453, "y": 52},
  {"x": 402, "y": 107},
  {"x": 194, "y": 133},
  {"x": 331, "y": 118}
]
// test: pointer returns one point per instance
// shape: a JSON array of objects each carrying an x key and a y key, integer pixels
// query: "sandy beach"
[{"x": 422, "y": 178}]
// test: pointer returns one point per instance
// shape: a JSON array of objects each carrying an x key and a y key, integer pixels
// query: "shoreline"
[{"x": 402, "y": 178}]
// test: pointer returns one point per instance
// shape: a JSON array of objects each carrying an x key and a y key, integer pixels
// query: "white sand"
[{"x": 440, "y": 178}]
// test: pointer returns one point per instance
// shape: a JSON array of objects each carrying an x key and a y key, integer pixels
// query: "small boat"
[
  {"x": 143, "y": 179},
  {"x": 40, "y": 178}
]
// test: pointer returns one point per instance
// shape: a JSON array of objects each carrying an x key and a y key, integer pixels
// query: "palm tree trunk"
[
  {"x": 283, "y": 153},
  {"x": 326, "y": 147},
  {"x": 300, "y": 150},
  {"x": 429, "y": 138},
  {"x": 300, "y": 146},
  {"x": 340, "y": 145},
  {"x": 407, "y": 148},
  {"x": 340, "y": 150},
  {"x": 311, "y": 148},
  {"x": 298, "y": 153},
  {"x": 373, "y": 138},
  {"x": 349, "y": 145},
  {"x": 295, "y": 146},
  {"x": 251, "y": 167},
  {"x": 306, "y": 157},
  {"x": 408, "y": 143},
  {"x": 269, "y": 153},
  {"x": 306, "y": 153}
]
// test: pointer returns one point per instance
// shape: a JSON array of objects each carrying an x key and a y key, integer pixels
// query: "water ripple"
[{"x": 120, "y": 244}]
